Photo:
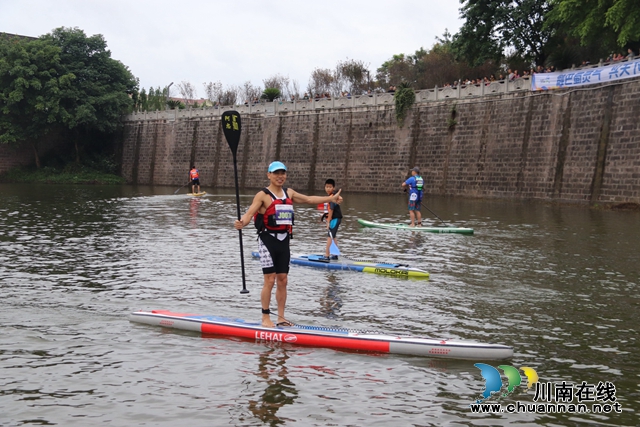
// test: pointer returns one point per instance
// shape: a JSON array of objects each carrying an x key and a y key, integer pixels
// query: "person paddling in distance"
[
  {"x": 194, "y": 176},
  {"x": 415, "y": 183},
  {"x": 333, "y": 217},
  {"x": 272, "y": 211}
]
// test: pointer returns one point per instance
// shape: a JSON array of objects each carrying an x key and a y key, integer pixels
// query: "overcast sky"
[{"x": 242, "y": 40}]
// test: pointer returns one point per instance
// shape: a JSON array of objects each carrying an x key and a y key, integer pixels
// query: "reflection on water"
[
  {"x": 331, "y": 300},
  {"x": 194, "y": 204},
  {"x": 559, "y": 283},
  {"x": 279, "y": 390}
]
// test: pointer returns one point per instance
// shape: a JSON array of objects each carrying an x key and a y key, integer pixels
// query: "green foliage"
[
  {"x": 63, "y": 80},
  {"x": 102, "y": 87},
  {"x": 32, "y": 80},
  {"x": 610, "y": 23},
  {"x": 430, "y": 68},
  {"x": 97, "y": 167},
  {"x": 395, "y": 70},
  {"x": 355, "y": 75},
  {"x": 71, "y": 174},
  {"x": 270, "y": 94},
  {"x": 404, "y": 98},
  {"x": 491, "y": 27},
  {"x": 173, "y": 104},
  {"x": 156, "y": 100},
  {"x": 451, "y": 121}
]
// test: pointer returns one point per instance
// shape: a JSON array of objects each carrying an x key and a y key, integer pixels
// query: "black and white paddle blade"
[{"x": 232, "y": 126}]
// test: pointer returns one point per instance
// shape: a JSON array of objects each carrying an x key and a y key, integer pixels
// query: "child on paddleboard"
[
  {"x": 272, "y": 211},
  {"x": 333, "y": 217},
  {"x": 415, "y": 184}
]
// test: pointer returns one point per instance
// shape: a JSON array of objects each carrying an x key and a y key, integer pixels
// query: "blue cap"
[{"x": 276, "y": 166}]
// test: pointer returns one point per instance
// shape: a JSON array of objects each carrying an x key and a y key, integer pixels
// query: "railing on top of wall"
[{"x": 375, "y": 99}]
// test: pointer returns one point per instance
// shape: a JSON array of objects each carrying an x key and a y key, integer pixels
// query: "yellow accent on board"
[{"x": 390, "y": 271}]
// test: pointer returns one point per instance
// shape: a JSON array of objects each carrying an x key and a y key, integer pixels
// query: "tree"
[
  {"x": 320, "y": 82},
  {"x": 217, "y": 95},
  {"x": 353, "y": 74},
  {"x": 143, "y": 100},
  {"x": 493, "y": 26},
  {"x": 610, "y": 23},
  {"x": 102, "y": 88},
  {"x": 396, "y": 70},
  {"x": 229, "y": 96},
  {"x": 32, "y": 83},
  {"x": 281, "y": 83},
  {"x": 428, "y": 68},
  {"x": 188, "y": 91},
  {"x": 270, "y": 94},
  {"x": 212, "y": 91},
  {"x": 250, "y": 92}
]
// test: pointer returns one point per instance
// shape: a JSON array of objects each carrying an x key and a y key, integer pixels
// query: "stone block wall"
[{"x": 575, "y": 146}]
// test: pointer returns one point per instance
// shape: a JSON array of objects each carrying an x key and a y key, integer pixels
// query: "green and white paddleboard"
[{"x": 445, "y": 229}]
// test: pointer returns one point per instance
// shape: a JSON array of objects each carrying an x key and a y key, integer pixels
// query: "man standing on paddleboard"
[
  {"x": 272, "y": 211},
  {"x": 194, "y": 176},
  {"x": 415, "y": 184}
]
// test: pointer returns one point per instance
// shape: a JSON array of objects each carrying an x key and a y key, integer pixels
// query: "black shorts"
[
  {"x": 333, "y": 226},
  {"x": 195, "y": 181},
  {"x": 274, "y": 253}
]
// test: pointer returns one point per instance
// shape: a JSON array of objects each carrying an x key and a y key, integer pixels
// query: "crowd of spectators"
[
  {"x": 510, "y": 75},
  {"x": 515, "y": 74}
]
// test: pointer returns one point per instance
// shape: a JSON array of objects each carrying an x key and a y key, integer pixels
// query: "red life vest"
[
  {"x": 278, "y": 217},
  {"x": 194, "y": 173}
]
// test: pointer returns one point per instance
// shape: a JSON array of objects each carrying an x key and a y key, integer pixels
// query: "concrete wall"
[{"x": 578, "y": 146}]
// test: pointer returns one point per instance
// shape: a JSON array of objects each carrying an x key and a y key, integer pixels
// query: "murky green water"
[{"x": 559, "y": 284}]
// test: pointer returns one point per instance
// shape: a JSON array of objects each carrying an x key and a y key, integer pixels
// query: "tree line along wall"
[{"x": 571, "y": 146}]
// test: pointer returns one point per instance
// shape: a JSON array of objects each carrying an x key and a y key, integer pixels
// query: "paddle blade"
[
  {"x": 333, "y": 249},
  {"x": 231, "y": 126}
]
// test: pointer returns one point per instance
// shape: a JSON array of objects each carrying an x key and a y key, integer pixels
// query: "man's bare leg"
[
  {"x": 265, "y": 298},
  {"x": 412, "y": 215},
  {"x": 281, "y": 295}
]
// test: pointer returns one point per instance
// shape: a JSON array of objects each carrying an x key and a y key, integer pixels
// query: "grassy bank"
[{"x": 69, "y": 174}]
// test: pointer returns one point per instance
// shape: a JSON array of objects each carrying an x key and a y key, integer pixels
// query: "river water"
[{"x": 558, "y": 283}]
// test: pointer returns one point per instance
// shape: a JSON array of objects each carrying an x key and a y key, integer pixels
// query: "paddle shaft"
[
  {"x": 235, "y": 171},
  {"x": 231, "y": 127},
  {"x": 182, "y": 187},
  {"x": 434, "y": 213}
]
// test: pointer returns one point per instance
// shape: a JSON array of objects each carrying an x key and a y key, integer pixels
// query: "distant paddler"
[
  {"x": 415, "y": 183},
  {"x": 194, "y": 176}
]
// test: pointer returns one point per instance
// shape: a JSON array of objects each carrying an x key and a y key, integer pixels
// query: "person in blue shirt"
[{"x": 415, "y": 183}]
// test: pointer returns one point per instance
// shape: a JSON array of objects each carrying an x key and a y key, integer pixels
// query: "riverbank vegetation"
[
  {"x": 96, "y": 167},
  {"x": 71, "y": 173},
  {"x": 62, "y": 90}
]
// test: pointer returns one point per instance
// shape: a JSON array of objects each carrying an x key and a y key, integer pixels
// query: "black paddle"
[
  {"x": 231, "y": 126},
  {"x": 181, "y": 187},
  {"x": 434, "y": 213},
  {"x": 405, "y": 190}
]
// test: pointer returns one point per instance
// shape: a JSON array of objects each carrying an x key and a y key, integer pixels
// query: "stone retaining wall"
[{"x": 578, "y": 146}]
